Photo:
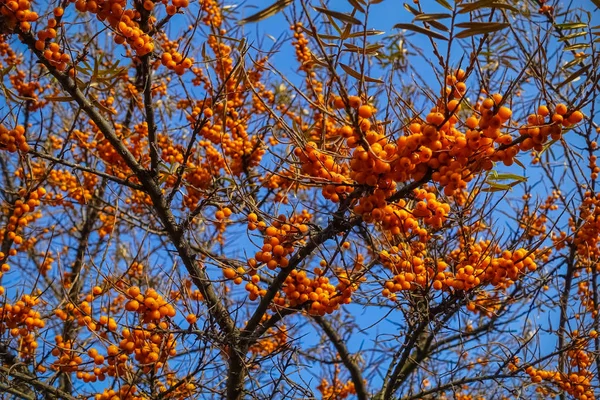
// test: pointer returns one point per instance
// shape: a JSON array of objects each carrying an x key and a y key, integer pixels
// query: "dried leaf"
[
  {"x": 339, "y": 15},
  {"x": 445, "y": 4},
  {"x": 469, "y": 7},
  {"x": 359, "y": 49},
  {"x": 479, "y": 28},
  {"x": 439, "y": 26},
  {"x": 519, "y": 163},
  {"x": 574, "y": 76},
  {"x": 419, "y": 29},
  {"x": 432, "y": 17},
  {"x": 346, "y": 32},
  {"x": 413, "y": 10},
  {"x": 273, "y": 9},
  {"x": 59, "y": 98},
  {"x": 357, "y": 75},
  {"x": 357, "y": 5}
]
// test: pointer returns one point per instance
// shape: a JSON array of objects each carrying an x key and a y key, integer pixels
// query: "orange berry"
[
  {"x": 191, "y": 318},
  {"x": 487, "y": 104},
  {"x": 505, "y": 113},
  {"x": 561, "y": 109},
  {"x": 186, "y": 63},
  {"x": 132, "y": 305},
  {"x": 575, "y": 117},
  {"x": 229, "y": 273},
  {"x": 354, "y": 102},
  {"x": 112, "y": 350},
  {"x": 365, "y": 111},
  {"x": 338, "y": 103}
]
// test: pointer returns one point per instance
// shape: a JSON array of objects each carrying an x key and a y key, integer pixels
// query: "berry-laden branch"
[
  {"x": 199, "y": 277},
  {"x": 349, "y": 362},
  {"x": 197, "y": 221}
]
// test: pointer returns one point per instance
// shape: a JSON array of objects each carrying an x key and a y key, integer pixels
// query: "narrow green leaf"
[
  {"x": 370, "y": 32},
  {"x": 359, "y": 49},
  {"x": 432, "y": 17},
  {"x": 571, "y": 25},
  {"x": 357, "y": 75},
  {"x": 339, "y": 15},
  {"x": 496, "y": 187},
  {"x": 327, "y": 37},
  {"x": 572, "y": 63},
  {"x": 273, "y": 9},
  {"x": 418, "y": 29},
  {"x": 576, "y": 46},
  {"x": 574, "y": 76},
  {"x": 479, "y": 28},
  {"x": 572, "y": 36},
  {"x": 469, "y": 7},
  {"x": 546, "y": 147},
  {"x": 506, "y": 177},
  {"x": 6, "y": 70}
]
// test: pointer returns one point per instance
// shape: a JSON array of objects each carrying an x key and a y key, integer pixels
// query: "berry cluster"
[
  {"x": 22, "y": 321},
  {"x": 279, "y": 240},
  {"x": 176, "y": 62},
  {"x": 13, "y": 139},
  {"x": 318, "y": 294},
  {"x": 17, "y": 11}
]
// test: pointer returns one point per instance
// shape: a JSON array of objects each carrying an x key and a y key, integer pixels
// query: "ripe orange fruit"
[
  {"x": 191, "y": 318},
  {"x": 229, "y": 273},
  {"x": 575, "y": 117},
  {"x": 354, "y": 102},
  {"x": 561, "y": 109},
  {"x": 365, "y": 111}
]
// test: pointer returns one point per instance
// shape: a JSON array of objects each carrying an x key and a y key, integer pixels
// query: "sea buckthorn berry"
[
  {"x": 365, "y": 111},
  {"x": 575, "y": 117},
  {"x": 561, "y": 109},
  {"x": 229, "y": 273},
  {"x": 191, "y": 318},
  {"x": 355, "y": 102},
  {"x": 338, "y": 103}
]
